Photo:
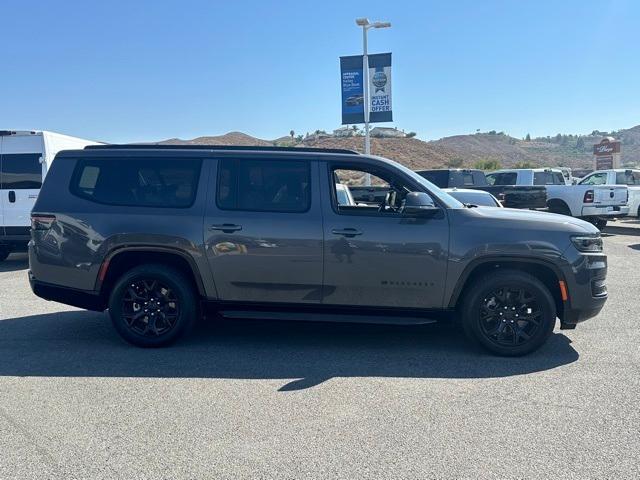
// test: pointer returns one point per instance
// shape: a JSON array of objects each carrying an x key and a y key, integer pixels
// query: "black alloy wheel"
[
  {"x": 508, "y": 312},
  {"x": 510, "y": 316},
  {"x": 153, "y": 305},
  {"x": 150, "y": 308}
]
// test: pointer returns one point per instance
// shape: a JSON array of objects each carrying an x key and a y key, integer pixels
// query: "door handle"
[
  {"x": 226, "y": 227},
  {"x": 12, "y": 197},
  {"x": 346, "y": 232}
]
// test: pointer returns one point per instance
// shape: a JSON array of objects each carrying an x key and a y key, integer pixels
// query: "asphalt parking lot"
[{"x": 285, "y": 400}]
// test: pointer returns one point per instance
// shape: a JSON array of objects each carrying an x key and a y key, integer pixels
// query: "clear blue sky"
[{"x": 124, "y": 71}]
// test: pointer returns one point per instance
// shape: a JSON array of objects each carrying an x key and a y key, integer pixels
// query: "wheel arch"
[
  {"x": 122, "y": 259},
  {"x": 548, "y": 273}
]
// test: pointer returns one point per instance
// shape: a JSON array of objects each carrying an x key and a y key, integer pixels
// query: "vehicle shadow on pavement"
[
  {"x": 15, "y": 262},
  {"x": 80, "y": 343}
]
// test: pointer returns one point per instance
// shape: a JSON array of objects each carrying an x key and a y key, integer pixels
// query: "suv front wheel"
[
  {"x": 152, "y": 305},
  {"x": 508, "y": 312}
]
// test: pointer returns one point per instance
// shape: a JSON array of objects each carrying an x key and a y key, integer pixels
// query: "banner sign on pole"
[
  {"x": 380, "y": 88},
  {"x": 353, "y": 88}
]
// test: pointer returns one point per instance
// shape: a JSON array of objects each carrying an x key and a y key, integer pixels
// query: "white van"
[{"x": 25, "y": 158}]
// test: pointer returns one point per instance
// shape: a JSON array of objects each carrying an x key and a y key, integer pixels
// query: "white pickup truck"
[
  {"x": 594, "y": 203},
  {"x": 619, "y": 176}
]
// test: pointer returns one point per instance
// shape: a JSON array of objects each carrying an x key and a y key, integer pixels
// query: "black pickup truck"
[{"x": 511, "y": 196}]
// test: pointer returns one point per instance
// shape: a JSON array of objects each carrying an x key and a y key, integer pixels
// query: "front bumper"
[
  {"x": 586, "y": 286},
  {"x": 605, "y": 211}
]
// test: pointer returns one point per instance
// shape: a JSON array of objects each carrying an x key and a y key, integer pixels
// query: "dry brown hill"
[
  {"x": 231, "y": 138},
  {"x": 459, "y": 150}
]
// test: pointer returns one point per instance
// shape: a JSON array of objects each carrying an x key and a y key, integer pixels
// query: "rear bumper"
[
  {"x": 68, "y": 296},
  {"x": 605, "y": 211}
]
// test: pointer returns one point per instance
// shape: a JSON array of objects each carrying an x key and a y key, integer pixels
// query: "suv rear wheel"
[
  {"x": 152, "y": 305},
  {"x": 509, "y": 313}
]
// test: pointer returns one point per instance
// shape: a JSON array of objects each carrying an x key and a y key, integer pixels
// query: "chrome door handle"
[
  {"x": 226, "y": 227},
  {"x": 346, "y": 232}
]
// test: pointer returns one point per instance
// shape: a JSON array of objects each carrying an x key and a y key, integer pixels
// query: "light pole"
[{"x": 366, "y": 25}]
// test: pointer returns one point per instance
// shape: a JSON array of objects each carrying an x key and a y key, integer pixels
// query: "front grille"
[{"x": 599, "y": 288}]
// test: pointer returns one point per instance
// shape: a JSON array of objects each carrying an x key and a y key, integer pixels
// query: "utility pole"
[{"x": 366, "y": 25}]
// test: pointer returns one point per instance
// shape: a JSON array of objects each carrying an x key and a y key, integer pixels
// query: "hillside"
[
  {"x": 231, "y": 138},
  {"x": 460, "y": 150}
]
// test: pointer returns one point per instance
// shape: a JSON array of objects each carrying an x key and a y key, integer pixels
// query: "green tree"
[
  {"x": 524, "y": 164},
  {"x": 527, "y": 138},
  {"x": 411, "y": 134},
  {"x": 455, "y": 162},
  {"x": 292, "y": 133},
  {"x": 488, "y": 164},
  {"x": 580, "y": 143}
]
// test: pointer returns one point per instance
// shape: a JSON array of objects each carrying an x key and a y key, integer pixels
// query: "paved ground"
[{"x": 270, "y": 400}]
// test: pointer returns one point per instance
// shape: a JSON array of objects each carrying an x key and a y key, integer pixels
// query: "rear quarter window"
[{"x": 142, "y": 182}]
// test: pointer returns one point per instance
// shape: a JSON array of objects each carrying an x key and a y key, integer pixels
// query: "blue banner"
[
  {"x": 380, "y": 88},
  {"x": 353, "y": 101},
  {"x": 352, "y": 89}
]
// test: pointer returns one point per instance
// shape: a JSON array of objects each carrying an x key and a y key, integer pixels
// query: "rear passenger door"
[{"x": 263, "y": 229}]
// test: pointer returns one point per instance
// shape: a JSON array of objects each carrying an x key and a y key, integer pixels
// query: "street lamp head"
[
  {"x": 362, "y": 22},
  {"x": 381, "y": 25}
]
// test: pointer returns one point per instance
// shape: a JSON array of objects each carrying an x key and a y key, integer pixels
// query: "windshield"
[{"x": 443, "y": 196}]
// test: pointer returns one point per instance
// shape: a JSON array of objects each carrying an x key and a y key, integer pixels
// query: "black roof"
[{"x": 243, "y": 148}]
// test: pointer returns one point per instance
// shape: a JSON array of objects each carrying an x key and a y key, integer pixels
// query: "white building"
[
  {"x": 387, "y": 132},
  {"x": 343, "y": 132}
]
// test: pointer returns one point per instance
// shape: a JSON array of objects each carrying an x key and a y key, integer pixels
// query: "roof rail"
[{"x": 242, "y": 148}]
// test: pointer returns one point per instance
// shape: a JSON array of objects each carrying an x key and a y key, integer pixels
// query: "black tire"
[
  {"x": 560, "y": 208},
  {"x": 148, "y": 314},
  {"x": 508, "y": 323},
  {"x": 4, "y": 253},
  {"x": 600, "y": 223}
]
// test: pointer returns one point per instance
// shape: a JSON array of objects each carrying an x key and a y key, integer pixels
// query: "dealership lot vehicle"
[
  {"x": 479, "y": 198},
  {"x": 511, "y": 196},
  {"x": 619, "y": 176},
  {"x": 145, "y": 231},
  {"x": 25, "y": 158},
  {"x": 594, "y": 203},
  {"x": 76, "y": 402}
]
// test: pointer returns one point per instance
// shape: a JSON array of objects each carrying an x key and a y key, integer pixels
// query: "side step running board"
[{"x": 325, "y": 317}]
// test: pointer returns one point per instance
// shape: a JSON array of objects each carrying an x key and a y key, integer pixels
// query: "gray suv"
[{"x": 158, "y": 235}]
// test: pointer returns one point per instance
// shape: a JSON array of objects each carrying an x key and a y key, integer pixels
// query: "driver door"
[{"x": 374, "y": 256}]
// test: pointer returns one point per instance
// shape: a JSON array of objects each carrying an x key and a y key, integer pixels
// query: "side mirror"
[{"x": 419, "y": 204}]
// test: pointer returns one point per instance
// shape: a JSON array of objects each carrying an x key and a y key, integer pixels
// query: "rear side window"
[
  {"x": 264, "y": 185},
  {"x": 548, "y": 178},
  {"x": 20, "y": 171},
  {"x": 505, "y": 178},
  {"x": 437, "y": 177},
  {"x": 144, "y": 182}
]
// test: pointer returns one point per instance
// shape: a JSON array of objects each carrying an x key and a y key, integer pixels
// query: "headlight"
[{"x": 587, "y": 243}]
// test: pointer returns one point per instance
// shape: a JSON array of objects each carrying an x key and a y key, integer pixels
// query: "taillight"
[
  {"x": 42, "y": 222},
  {"x": 588, "y": 197}
]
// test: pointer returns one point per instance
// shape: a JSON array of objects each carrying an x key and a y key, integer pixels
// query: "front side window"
[
  {"x": 373, "y": 192},
  {"x": 628, "y": 178},
  {"x": 144, "y": 182},
  {"x": 20, "y": 171},
  {"x": 264, "y": 185}
]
